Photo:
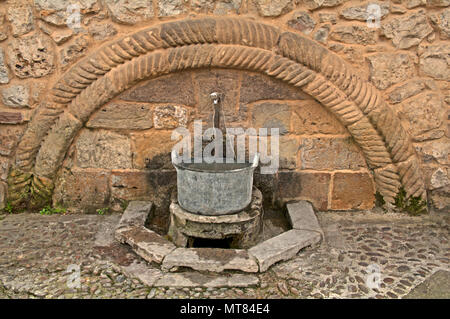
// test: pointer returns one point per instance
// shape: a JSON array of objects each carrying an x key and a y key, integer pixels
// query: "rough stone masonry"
[{"x": 87, "y": 110}]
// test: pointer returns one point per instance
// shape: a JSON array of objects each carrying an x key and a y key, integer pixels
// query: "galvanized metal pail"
[{"x": 216, "y": 188}]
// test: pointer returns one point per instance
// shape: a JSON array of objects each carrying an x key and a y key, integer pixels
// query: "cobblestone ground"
[{"x": 35, "y": 252}]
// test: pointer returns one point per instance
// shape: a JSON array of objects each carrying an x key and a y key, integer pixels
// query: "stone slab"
[
  {"x": 146, "y": 243},
  {"x": 210, "y": 259},
  {"x": 135, "y": 214},
  {"x": 282, "y": 247},
  {"x": 195, "y": 279},
  {"x": 140, "y": 270},
  {"x": 301, "y": 216}
]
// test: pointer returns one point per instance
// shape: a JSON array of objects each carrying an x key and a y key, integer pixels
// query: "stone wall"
[{"x": 120, "y": 151}]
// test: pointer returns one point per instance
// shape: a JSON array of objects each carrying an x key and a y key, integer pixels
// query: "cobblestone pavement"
[{"x": 35, "y": 252}]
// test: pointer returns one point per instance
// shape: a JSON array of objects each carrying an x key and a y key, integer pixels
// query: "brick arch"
[{"x": 213, "y": 42}]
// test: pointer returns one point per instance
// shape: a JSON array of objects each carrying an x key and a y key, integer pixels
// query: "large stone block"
[
  {"x": 272, "y": 115},
  {"x": 440, "y": 21},
  {"x": 288, "y": 152},
  {"x": 436, "y": 151},
  {"x": 354, "y": 34},
  {"x": 13, "y": 117},
  {"x": 16, "y": 96},
  {"x": 425, "y": 114},
  {"x": 57, "y": 12},
  {"x": 152, "y": 150},
  {"x": 171, "y": 7},
  {"x": 440, "y": 199},
  {"x": 362, "y": 12},
  {"x": 390, "y": 68},
  {"x": 313, "y": 187},
  {"x": 435, "y": 61},
  {"x": 407, "y": 31},
  {"x": 302, "y": 21},
  {"x": 317, "y": 4},
  {"x": 256, "y": 87},
  {"x": 83, "y": 189},
  {"x": 102, "y": 149},
  {"x": 406, "y": 90},
  {"x": 170, "y": 116},
  {"x": 128, "y": 116},
  {"x": 220, "y": 7},
  {"x": 155, "y": 186},
  {"x": 20, "y": 17},
  {"x": 321, "y": 153},
  {"x": 9, "y": 136},
  {"x": 174, "y": 88},
  {"x": 269, "y": 8},
  {"x": 130, "y": 12},
  {"x": 352, "y": 191},
  {"x": 309, "y": 117},
  {"x": 31, "y": 56},
  {"x": 4, "y": 73}
]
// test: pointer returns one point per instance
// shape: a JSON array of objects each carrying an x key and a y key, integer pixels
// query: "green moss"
[
  {"x": 413, "y": 205},
  {"x": 48, "y": 210},
  {"x": 8, "y": 208},
  {"x": 102, "y": 211}
]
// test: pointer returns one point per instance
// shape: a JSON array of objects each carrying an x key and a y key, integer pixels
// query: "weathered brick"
[
  {"x": 153, "y": 185},
  {"x": 84, "y": 189},
  {"x": 272, "y": 115},
  {"x": 309, "y": 117},
  {"x": 322, "y": 153},
  {"x": 103, "y": 149},
  {"x": 152, "y": 150},
  {"x": 129, "y": 116},
  {"x": 11, "y": 117},
  {"x": 170, "y": 116},
  {"x": 309, "y": 186},
  {"x": 173, "y": 88},
  {"x": 256, "y": 87},
  {"x": 9, "y": 136},
  {"x": 352, "y": 191}
]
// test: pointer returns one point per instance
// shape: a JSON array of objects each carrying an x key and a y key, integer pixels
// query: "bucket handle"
[
  {"x": 255, "y": 160},
  {"x": 175, "y": 158}
]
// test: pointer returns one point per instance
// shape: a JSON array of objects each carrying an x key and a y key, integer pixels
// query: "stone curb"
[
  {"x": 195, "y": 279},
  {"x": 210, "y": 259},
  {"x": 282, "y": 247},
  {"x": 302, "y": 217},
  {"x": 135, "y": 214}
]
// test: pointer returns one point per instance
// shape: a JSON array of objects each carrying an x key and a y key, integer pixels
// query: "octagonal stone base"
[
  {"x": 242, "y": 228},
  {"x": 153, "y": 247}
]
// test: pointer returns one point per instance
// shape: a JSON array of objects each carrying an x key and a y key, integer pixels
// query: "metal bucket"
[{"x": 214, "y": 189}]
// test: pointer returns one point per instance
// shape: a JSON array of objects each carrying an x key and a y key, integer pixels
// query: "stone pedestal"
[{"x": 243, "y": 228}]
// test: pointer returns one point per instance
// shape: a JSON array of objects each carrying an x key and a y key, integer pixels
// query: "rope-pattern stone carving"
[{"x": 213, "y": 42}]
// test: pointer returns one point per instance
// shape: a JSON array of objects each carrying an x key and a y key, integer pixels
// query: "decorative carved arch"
[{"x": 213, "y": 42}]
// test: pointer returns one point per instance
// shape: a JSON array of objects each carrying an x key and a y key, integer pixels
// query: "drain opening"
[{"x": 196, "y": 242}]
